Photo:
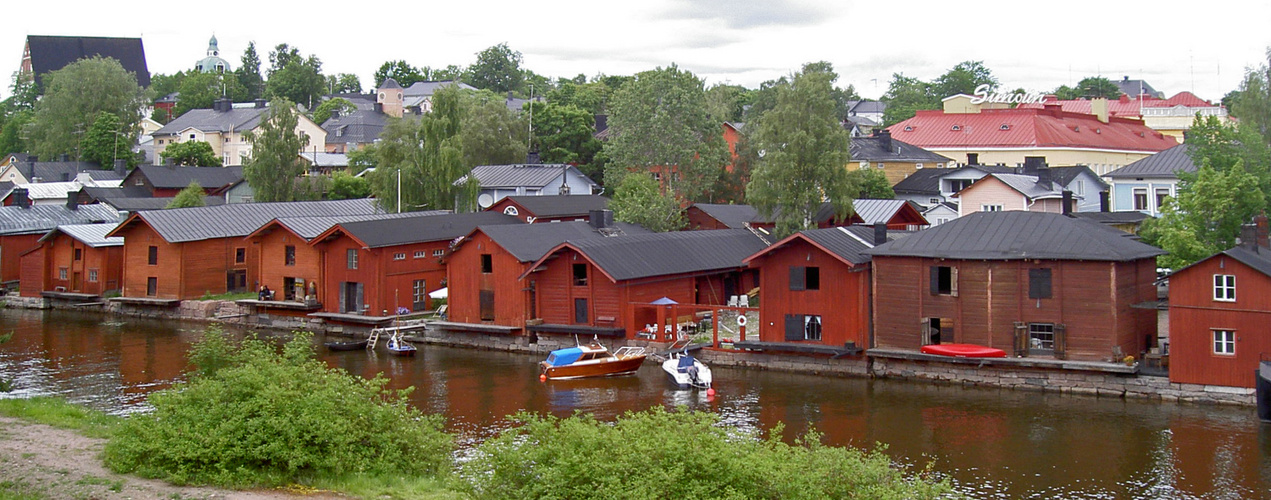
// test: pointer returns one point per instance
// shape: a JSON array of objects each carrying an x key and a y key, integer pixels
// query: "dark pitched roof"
[
  {"x": 503, "y": 176},
  {"x": 172, "y": 177},
  {"x": 389, "y": 83},
  {"x": 389, "y": 232},
  {"x": 925, "y": 181},
  {"x": 561, "y": 205},
  {"x": 1163, "y": 164},
  {"x": 239, "y": 219},
  {"x": 1259, "y": 260},
  {"x": 212, "y": 120},
  {"x": 361, "y": 126},
  {"x": 1019, "y": 235},
  {"x": 1129, "y": 217},
  {"x": 733, "y": 216},
  {"x": 125, "y": 204},
  {"x": 870, "y": 148},
  {"x": 530, "y": 242},
  {"x": 310, "y": 227},
  {"x": 1134, "y": 88},
  {"x": 845, "y": 242},
  {"x": 1065, "y": 175},
  {"x": 660, "y": 254},
  {"x": 872, "y": 211},
  {"x": 51, "y": 53},
  {"x": 41, "y": 218},
  {"x": 59, "y": 171}
]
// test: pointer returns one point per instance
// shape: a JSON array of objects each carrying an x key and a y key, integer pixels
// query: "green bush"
[
  {"x": 251, "y": 416},
  {"x": 661, "y": 454}
]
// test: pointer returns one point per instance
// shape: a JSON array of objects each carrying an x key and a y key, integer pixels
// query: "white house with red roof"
[{"x": 993, "y": 134}]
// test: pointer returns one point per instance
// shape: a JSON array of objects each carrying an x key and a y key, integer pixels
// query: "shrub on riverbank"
[
  {"x": 661, "y": 454},
  {"x": 250, "y": 416}
]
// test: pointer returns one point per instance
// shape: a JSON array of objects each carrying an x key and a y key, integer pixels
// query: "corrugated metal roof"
[
  {"x": 660, "y": 254},
  {"x": 925, "y": 181},
  {"x": 846, "y": 242},
  {"x": 733, "y": 216},
  {"x": 875, "y": 211},
  {"x": 93, "y": 235},
  {"x": 240, "y": 219},
  {"x": 1019, "y": 235},
  {"x": 211, "y": 120},
  {"x": 1027, "y": 128},
  {"x": 1165, "y": 164},
  {"x": 430, "y": 88},
  {"x": 561, "y": 205},
  {"x": 390, "y": 232},
  {"x": 125, "y": 204},
  {"x": 1028, "y": 186},
  {"x": 361, "y": 126},
  {"x": 310, "y": 227},
  {"x": 41, "y": 218},
  {"x": 530, "y": 242},
  {"x": 174, "y": 177},
  {"x": 510, "y": 176},
  {"x": 871, "y": 149},
  {"x": 1128, "y": 217}
]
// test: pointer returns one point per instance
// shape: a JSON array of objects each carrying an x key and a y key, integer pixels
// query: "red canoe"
[{"x": 963, "y": 351}]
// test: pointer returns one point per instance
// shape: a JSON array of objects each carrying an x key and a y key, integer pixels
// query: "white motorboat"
[{"x": 687, "y": 371}]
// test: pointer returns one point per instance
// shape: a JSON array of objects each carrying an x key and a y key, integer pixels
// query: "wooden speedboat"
[
  {"x": 963, "y": 351},
  {"x": 398, "y": 347},
  {"x": 346, "y": 346},
  {"x": 591, "y": 360},
  {"x": 687, "y": 371}
]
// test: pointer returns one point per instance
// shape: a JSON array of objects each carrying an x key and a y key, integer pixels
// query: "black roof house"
[
  {"x": 881, "y": 147},
  {"x": 51, "y": 53},
  {"x": 662, "y": 254},
  {"x": 1165, "y": 164},
  {"x": 561, "y": 205},
  {"x": 390, "y": 232},
  {"x": 1016, "y": 236},
  {"x": 530, "y": 242}
]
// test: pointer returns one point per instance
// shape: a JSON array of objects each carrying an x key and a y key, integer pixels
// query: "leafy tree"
[
  {"x": 639, "y": 200},
  {"x": 401, "y": 72},
  {"x": 725, "y": 103},
  {"x": 870, "y": 184},
  {"x": 498, "y": 69},
  {"x": 191, "y": 196},
  {"x": 295, "y": 78},
  {"x": 344, "y": 83},
  {"x": 963, "y": 79},
  {"x": 448, "y": 73},
  {"x": 1206, "y": 216},
  {"x": 1252, "y": 103},
  {"x": 762, "y": 99},
  {"x": 905, "y": 96},
  {"x": 192, "y": 154},
  {"x": 591, "y": 97},
  {"x": 105, "y": 141},
  {"x": 1089, "y": 88},
  {"x": 492, "y": 133},
  {"x": 161, "y": 85},
  {"x": 323, "y": 113},
  {"x": 23, "y": 93},
  {"x": 282, "y": 55},
  {"x": 311, "y": 188},
  {"x": 276, "y": 143},
  {"x": 65, "y": 112},
  {"x": 427, "y": 153},
  {"x": 248, "y": 73},
  {"x": 660, "y": 121},
  {"x": 803, "y": 150},
  {"x": 199, "y": 90},
  {"x": 345, "y": 186},
  {"x": 11, "y": 136},
  {"x": 361, "y": 159},
  {"x": 564, "y": 133}
]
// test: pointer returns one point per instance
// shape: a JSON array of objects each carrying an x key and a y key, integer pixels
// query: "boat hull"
[
  {"x": 346, "y": 346},
  {"x": 963, "y": 351},
  {"x": 403, "y": 351},
  {"x": 605, "y": 368},
  {"x": 681, "y": 378}
]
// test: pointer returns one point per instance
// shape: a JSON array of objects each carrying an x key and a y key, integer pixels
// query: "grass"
[
  {"x": 230, "y": 296},
  {"x": 59, "y": 413},
  {"x": 390, "y": 487}
]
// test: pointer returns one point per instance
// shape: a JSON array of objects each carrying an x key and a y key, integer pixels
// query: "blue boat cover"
[
  {"x": 685, "y": 362},
  {"x": 561, "y": 357}
]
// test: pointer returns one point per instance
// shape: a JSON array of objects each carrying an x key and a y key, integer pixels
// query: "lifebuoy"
[{"x": 741, "y": 320}]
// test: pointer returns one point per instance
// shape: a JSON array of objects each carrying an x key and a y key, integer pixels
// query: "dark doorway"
[
  {"x": 580, "y": 311},
  {"x": 351, "y": 297},
  {"x": 487, "y": 305}
]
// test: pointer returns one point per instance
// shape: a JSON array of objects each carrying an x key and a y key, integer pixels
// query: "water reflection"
[{"x": 991, "y": 443}]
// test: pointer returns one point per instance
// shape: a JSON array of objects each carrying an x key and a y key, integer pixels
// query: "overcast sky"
[{"x": 1203, "y": 47}]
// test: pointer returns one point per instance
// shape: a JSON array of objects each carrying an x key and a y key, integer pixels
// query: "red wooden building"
[
  {"x": 485, "y": 268},
  {"x": 22, "y": 225},
  {"x": 898, "y": 215},
  {"x": 76, "y": 258},
  {"x": 550, "y": 208},
  {"x": 187, "y": 253},
  {"x": 815, "y": 287},
  {"x": 593, "y": 286},
  {"x": 1032, "y": 284},
  {"x": 387, "y": 266},
  {"x": 1218, "y": 314}
]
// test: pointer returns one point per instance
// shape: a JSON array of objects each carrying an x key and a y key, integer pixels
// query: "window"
[
  {"x": 191, "y": 137},
  {"x": 487, "y": 263},
  {"x": 351, "y": 258},
  {"x": 1161, "y": 195},
  {"x": 990, "y": 208},
  {"x": 1039, "y": 283},
  {"x": 419, "y": 292},
  {"x": 152, "y": 256},
  {"x": 944, "y": 280},
  {"x": 92, "y": 275},
  {"x": 227, "y": 140},
  {"x": 864, "y": 165},
  {"x": 881, "y": 165},
  {"x": 225, "y": 158},
  {"x": 420, "y": 254},
  {"x": 918, "y": 166},
  {"x": 580, "y": 274},
  {"x": 811, "y": 328},
  {"x": 1140, "y": 198},
  {"x": 1225, "y": 287},
  {"x": 240, "y": 255},
  {"x": 941, "y": 220},
  {"x": 1224, "y": 342},
  {"x": 289, "y": 257},
  {"x": 152, "y": 286},
  {"x": 805, "y": 278},
  {"x": 802, "y": 327},
  {"x": 956, "y": 185},
  {"x": 79, "y": 254},
  {"x": 438, "y": 253},
  {"x": 1081, "y": 188},
  {"x": 399, "y": 256},
  {"x": 61, "y": 273},
  {"x": 933, "y": 201},
  {"x": 1041, "y": 336}
]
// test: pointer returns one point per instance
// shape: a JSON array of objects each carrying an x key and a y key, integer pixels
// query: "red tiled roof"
[
  {"x": 1028, "y": 128},
  {"x": 1183, "y": 98}
]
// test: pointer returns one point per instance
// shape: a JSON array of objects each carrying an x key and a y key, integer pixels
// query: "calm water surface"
[{"x": 991, "y": 443}]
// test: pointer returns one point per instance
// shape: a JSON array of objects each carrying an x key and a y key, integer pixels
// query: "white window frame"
[
  {"x": 990, "y": 208},
  {"x": 399, "y": 256},
  {"x": 1224, "y": 342},
  {"x": 1224, "y": 288},
  {"x": 438, "y": 253},
  {"x": 917, "y": 166},
  {"x": 1134, "y": 198},
  {"x": 419, "y": 254}
]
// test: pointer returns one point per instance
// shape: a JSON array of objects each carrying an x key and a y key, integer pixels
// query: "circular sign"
[{"x": 741, "y": 320}]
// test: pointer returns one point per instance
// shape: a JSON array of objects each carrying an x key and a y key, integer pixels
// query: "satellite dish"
[{"x": 485, "y": 200}]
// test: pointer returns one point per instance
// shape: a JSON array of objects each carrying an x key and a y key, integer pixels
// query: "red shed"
[
  {"x": 76, "y": 258},
  {"x": 550, "y": 208}
]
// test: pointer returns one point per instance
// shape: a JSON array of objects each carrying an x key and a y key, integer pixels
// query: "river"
[{"x": 991, "y": 443}]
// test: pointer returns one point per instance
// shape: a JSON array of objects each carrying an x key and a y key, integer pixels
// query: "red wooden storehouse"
[
  {"x": 75, "y": 258},
  {"x": 1032, "y": 284},
  {"x": 1219, "y": 308},
  {"x": 550, "y": 208},
  {"x": 485, "y": 268},
  {"x": 815, "y": 287},
  {"x": 594, "y": 286},
  {"x": 23, "y": 224},
  {"x": 388, "y": 266}
]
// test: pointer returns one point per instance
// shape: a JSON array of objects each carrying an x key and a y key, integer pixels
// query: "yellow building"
[{"x": 224, "y": 127}]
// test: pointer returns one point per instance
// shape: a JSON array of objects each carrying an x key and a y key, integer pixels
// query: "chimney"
[
  {"x": 972, "y": 158},
  {"x": 222, "y": 105},
  {"x": 258, "y": 104},
  {"x": 884, "y": 139},
  {"x": 379, "y": 107},
  {"x": 1249, "y": 236},
  {"x": 1263, "y": 231},
  {"x": 66, "y": 176},
  {"x": 602, "y": 123},
  {"x": 64, "y": 157},
  {"x": 1099, "y": 108},
  {"x": 1067, "y": 208},
  {"x": 1105, "y": 204},
  {"x": 1033, "y": 163},
  {"x": 72, "y": 201},
  {"x": 335, "y": 114},
  {"x": 600, "y": 219},
  {"x": 1043, "y": 177},
  {"x": 20, "y": 198},
  {"x": 33, "y": 159},
  {"x": 121, "y": 167},
  {"x": 880, "y": 233}
]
